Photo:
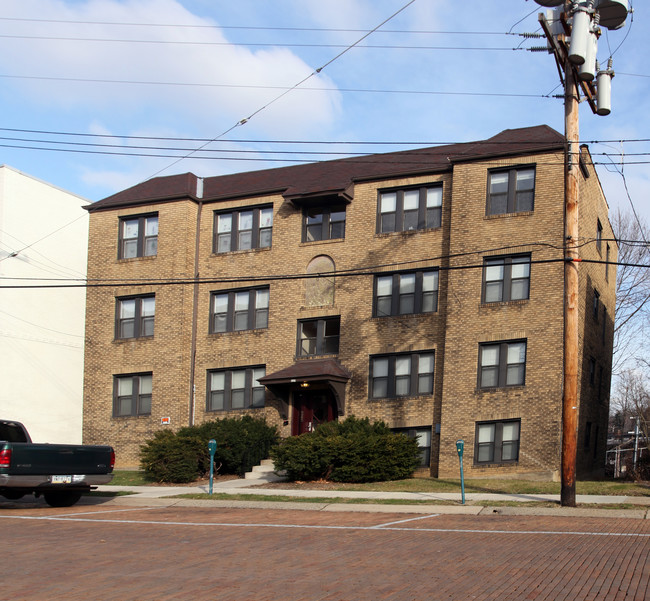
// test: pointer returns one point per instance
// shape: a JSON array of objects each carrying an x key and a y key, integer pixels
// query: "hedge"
[
  {"x": 353, "y": 450},
  {"x": 183, "y": 456}
]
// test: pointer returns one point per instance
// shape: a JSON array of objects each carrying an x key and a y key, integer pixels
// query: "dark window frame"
[
  {"x": 424, "y": 220},
  {"x": 502, "y": 365},
  {"x": 141, "y": 240},
  {"x": 254, "y": 397},
  {"x": 392, "y": 378},
  {"x": 497, "y": 444},
  {"x": 507, "y": 280},
  {"x": 140, "y": 403},
  {"x": 256, "y": 232},
  {"x": 596, "y": 305},
  {"x": 322, "y": 339},
  {"x": 139, "y": 320},
  {"x": 232, "y": 316},
  {"x": 599, "y": 236},
  {"x": 326, "y": 225},
  {"x": 397, "y": 296},
  {"x": 511, "y": 194}
]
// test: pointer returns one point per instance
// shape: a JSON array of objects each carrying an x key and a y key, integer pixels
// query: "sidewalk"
[{"x": 477, "y": 503}]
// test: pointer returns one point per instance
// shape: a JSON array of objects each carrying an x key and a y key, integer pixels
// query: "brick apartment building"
[{"x": 423, "y": 288}]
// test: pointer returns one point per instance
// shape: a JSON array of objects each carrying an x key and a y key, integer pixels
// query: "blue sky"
[{"x": 193, "y": 69}]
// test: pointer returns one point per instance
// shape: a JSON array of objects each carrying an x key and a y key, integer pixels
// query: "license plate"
[{"x": 61, "y": 479}]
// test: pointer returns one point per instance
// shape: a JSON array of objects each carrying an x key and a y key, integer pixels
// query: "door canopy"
[{"x": 310, "y": 371}]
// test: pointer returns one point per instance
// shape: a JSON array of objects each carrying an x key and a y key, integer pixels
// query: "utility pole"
[
  {"x": 573, "y": 39},
  {"x": 571, "y": 194}
]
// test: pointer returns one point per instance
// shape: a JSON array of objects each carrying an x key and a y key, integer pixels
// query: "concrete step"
[{"x": 265, "y": 471}]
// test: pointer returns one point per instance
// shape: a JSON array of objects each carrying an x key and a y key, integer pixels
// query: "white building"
[{"x": 43, "y": 241}]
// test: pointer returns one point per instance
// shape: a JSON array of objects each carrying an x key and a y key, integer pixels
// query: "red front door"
[{"x": 311, "y": 409}]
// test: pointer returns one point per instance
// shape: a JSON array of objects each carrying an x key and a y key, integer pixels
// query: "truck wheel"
[{"x": 62, "y": 499}]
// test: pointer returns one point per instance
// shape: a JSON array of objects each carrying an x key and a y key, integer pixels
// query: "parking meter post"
[
  {"x": 460, "y": 445},
  {"x": 212, "y": 449}
]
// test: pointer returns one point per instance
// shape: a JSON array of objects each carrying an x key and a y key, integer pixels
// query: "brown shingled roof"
[
  {"x": 334, "y": 177},
  {"x": 310, "y": 369}
]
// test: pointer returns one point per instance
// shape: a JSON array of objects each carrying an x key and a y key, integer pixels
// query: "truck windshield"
[{"x": 12, "y": 432}]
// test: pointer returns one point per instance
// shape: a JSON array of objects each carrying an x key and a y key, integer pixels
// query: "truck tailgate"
[{"x": 27, "y": 459}]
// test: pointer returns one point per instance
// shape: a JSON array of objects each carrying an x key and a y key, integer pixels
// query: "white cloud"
[{"x": 205, "y": 57}]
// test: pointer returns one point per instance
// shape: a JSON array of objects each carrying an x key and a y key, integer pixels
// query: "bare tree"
[
  {"x": 632, "y": 290},
  {"x": 631, "y": 402}
]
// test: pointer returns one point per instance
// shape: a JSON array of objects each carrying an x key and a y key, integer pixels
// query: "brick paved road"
[{"x": 115, "y": 553}]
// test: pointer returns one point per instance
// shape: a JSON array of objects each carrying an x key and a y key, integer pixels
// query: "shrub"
[
  {"x": 642, "y": 471},
  {"x": 170, "y": 458},
  {"x": 353, "y": 450},
  {"x": 183, "y": 456}
]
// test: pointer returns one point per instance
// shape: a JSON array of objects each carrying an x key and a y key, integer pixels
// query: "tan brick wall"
[
  {"x": 166, "y": 355},
  {"x": 595, "y": 343},
  {"x": 537, "y": 320},
  {"x": 453, "y": 332}
]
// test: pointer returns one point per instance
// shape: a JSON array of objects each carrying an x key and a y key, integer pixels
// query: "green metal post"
[
  {"x": 460, "y": 445},
  {"x": 212, "y": 448}
]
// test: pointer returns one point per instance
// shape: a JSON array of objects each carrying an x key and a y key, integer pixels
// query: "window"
[
  {"x": 596, "y": 304},
  {"x": 506, "y": 278},
  {"x": 319, "y": 336},
  {"x": 607, "y": 260},
  {"x": 511, "y": 191},
  {"x": 236, "y": 310},
  {"x": 599, "y": 235},
  {"x": 502, "y": 364},
  {"x": 423, "y": 436},
  {"x": 235, "y": 389},
  {"x": 603, "y": 333},
  {"x": 405, "y": 293},
  {"x": 592, "y": 371},
  {"x": 135, "y": 317},
  {"x": 497, "y": 442},
  {"x": 411, "y": 209},
  {"x": 403, "y": 374},
  {"x": 243, "y": 229},
  {"x": 323, "y": 223},
  {"x": 138, "y": 237},
  {"x": 132, "y": 395}
]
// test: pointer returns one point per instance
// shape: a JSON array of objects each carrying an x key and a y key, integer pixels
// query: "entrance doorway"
[{"x": 310, "y": 409}]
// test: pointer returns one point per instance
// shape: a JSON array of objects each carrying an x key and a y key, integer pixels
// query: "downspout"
[{"x": 195, "y": 300}]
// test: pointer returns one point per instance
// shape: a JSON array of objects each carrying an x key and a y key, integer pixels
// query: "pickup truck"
[{"x": 59, "y": 472}]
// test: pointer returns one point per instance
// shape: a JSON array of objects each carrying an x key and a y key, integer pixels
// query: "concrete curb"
[{"x": 447, "y": 509}]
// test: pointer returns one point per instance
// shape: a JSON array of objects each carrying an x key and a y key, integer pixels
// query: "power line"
[
  {"x": 284, "y": 44},
  {"x": 250, "y": 27},
  {"x": 380, "y": 269},
  {"x": 259, "y": 87},
  {"x": 41, "y": 327},
  {"x": 292, "y": 160},
  {"x": 316, "y": 142},
  {"x": 82, "y": 216},
  {"x": 366, "y": 272},
  {"x": 229, "y": 150}
]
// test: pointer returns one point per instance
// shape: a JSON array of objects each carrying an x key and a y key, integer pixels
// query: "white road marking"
[
  {"x": 422, "y": 517},
  {"x": 321, "y": 527},
  {"x": 65, "y": 515}
]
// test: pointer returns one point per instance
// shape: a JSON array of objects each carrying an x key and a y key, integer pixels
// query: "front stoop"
[{"x": 265, "y": 471}]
